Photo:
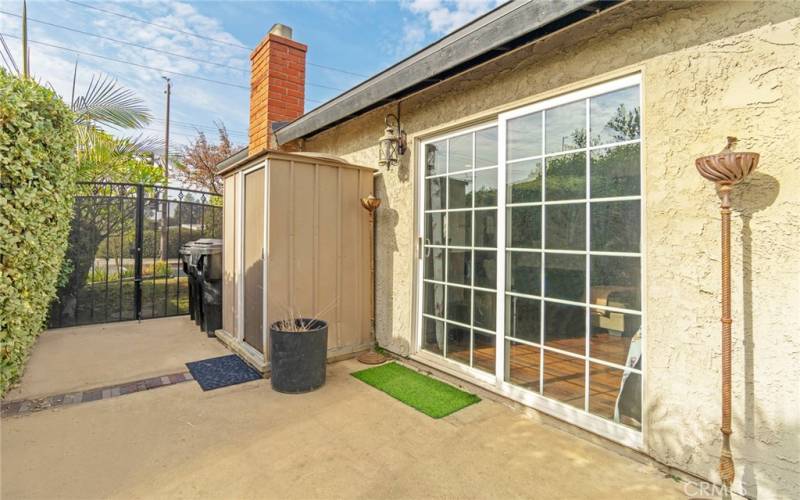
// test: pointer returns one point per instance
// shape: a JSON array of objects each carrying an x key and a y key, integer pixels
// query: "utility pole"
[
  {"x": 25, "y": 53},
  {"x": 165, "y": 204}
]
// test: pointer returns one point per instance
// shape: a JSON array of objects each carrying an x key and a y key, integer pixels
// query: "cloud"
[
  {"x": 444, "y": 16},
  {"x": 430, "y": 19},
  {"x": 193, "y": 100}
]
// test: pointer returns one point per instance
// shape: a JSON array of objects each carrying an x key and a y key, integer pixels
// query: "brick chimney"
[{"x": 277, "y": 85}]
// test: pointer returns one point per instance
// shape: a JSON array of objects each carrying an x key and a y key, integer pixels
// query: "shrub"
[{"x": 37, "y": 185}]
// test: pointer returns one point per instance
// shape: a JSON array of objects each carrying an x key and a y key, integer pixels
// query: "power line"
[
  {"x": 162, "y": 26},
  {"x": 204, "y": 61},
  {"x": 131, "y": 63},
  {"x": 123, "y": 42},
  {"x": 8, "y": 52},
  {"x": 337, "y": 69},
  {"x": 189, "y": 33},
  {"x": 202, "y": 128},
  {"x": 202, "y": 125}
]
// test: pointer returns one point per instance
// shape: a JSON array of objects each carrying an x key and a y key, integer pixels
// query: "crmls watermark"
[{"x": 704, "y": 489}]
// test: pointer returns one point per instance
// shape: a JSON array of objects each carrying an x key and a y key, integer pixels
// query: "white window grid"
[
  {"x": 446, "y": 247},
  {"x": 503, "y": 250}
]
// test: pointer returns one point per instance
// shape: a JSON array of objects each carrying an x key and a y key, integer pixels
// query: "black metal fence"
[{"x": 122, "y": 262}]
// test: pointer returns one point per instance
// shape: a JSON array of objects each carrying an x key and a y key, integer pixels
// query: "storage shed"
[{"x": 294, "y": 221}]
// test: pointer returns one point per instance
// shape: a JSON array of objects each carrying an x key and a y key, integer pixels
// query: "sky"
[{"x": 210, "y": 40}]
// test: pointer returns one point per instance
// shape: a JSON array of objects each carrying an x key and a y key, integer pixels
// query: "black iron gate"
[{"x": 122, "y": 261}]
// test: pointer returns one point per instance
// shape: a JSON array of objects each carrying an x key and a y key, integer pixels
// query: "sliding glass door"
[
  {"x": 460, "y": 247},
  {"x": 545, "y": 293}
]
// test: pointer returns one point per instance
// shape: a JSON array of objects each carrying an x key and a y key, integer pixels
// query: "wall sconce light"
[
  {"x": 392, "y": 144},
  {"x": 726, "y": 169}
]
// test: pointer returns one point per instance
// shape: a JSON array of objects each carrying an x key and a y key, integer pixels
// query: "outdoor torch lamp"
[
  {"x": 392, "y": 143},
  {"x": 371, "y": 356},
  {"x": 726, "y": 169}
]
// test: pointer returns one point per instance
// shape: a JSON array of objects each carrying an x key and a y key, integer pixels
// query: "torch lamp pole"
[
  {"x": 726, "y": 169},
  {"x": 370, "y": 204},
  {"x": 726, "y": 468}
]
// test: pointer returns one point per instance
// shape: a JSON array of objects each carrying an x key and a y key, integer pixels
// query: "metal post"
[
  {"x": 137, "y": 276},
  {"x": 164, "y": 208},
  {"x": 25, "y": 53}
]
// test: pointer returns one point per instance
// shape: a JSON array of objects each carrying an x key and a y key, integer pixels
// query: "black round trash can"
[{"x": 298, "y": 358}]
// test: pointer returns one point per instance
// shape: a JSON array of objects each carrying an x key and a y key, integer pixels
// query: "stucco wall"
[{"x": 709, "y": 70}]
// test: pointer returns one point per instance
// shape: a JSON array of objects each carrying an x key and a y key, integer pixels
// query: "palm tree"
[{"x": 101, "y": 156}]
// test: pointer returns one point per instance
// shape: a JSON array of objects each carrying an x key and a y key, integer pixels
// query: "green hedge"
[{"x": 37, "y": 185}]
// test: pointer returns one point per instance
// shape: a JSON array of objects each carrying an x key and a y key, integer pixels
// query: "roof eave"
[{"x": 485, "y": 38}]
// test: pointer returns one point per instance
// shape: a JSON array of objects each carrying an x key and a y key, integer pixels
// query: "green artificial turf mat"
[{"x": 428, "y": 395}]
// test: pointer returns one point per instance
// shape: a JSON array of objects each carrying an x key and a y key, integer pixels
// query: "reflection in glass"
[
  {"x": 565, "y": 127},
  {"x": 485, "y": 269},
  {"x": 523, "y": 318},
  {"x": 524, "y": 227},
  {"x": 615, "y": 171},
  {"x": 565, "y": 327},
  {"x": 458, "y": 343},
  {"x": 486, "y": 228},
  {"x": 524, "y": 136},
  {"x": 615, "y": 396},
  {"x": 616, "y": 280},
  {"x": 523, "y": 365},
  {"x": 565, "y": 226},
  {"x": 459, "y": 229},
  {"x": 614, "y": 117},
  {"x": 523, "y": 272},
  {"x": 564, "y": 378},
  {"x": 433, "y": 335},
  {"x": 434, "y": 264},
  {"x": 458, "y": 304},
  {"x": 458, "y": 266},
  {"x": 486, "y": 188},
  {"x": 485, "y": 311},
  {"x": 611, "y": 334},
  {"x": 565, "y": 276},
  {"x": 460, "y": 153},
  {"x": 434, "y": 228},
  {"x": 460, "y": 190},
  {"x": 615, "y": 226},
  {"x": 435, "y": 193},
  {"x": 435, "y": 158},
  {"x": 524, "y": 182},
  {"x": 434, "y": 300},
  {"x": 484, "y": 352},
  {"x": 565, "y": 177},
  {"x": 486, "y": 147}
]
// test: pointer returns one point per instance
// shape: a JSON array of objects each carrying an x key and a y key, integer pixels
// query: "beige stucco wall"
[{"x": 709, "y": 70}]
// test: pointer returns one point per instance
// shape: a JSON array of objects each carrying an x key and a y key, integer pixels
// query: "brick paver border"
[{"x": 26, "y": 406}]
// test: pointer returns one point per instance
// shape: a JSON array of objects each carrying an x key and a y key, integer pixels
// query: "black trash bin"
[
  {"x": 196, "y": 252},
  {"x": 185, "y": 253},
  {"x": 209, "y": 277}
]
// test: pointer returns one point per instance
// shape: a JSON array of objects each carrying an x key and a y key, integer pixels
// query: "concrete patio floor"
[
  {"x": 346, "y": 440},
  {"x": 85, "y": 357}
]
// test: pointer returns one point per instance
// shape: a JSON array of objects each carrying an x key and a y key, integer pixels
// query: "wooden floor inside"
[{"x": 563, "y": 376}]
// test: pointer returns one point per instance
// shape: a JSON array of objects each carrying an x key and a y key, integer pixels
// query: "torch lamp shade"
[
  {"x": 727, "y": 169},
  {"x": 371, "y": 203}
]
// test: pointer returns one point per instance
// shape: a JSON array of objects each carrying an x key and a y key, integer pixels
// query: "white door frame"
[
  {"x": 240, "y": 207},
  {"x": 497, "y": 381}
]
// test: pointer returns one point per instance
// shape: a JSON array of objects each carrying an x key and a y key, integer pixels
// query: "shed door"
[{"x": 253, "y": 259}]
